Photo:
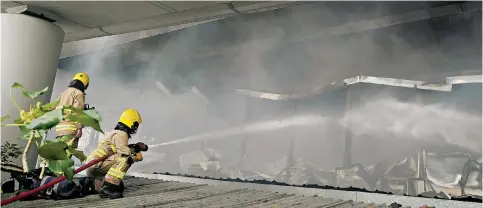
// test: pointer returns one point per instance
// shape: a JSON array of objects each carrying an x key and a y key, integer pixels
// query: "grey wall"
[{"x": 264, "y": 52}]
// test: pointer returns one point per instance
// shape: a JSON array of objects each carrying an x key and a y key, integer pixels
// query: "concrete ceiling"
[{"x": 90, "y": 19}]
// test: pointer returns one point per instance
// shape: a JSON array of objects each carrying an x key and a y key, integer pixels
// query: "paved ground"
[{"x": 141, "y": 192}]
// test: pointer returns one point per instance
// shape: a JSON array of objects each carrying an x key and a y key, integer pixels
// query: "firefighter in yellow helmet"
[
  {"x": 74, "y": 96},
  {"x": 110, "y": 172}
]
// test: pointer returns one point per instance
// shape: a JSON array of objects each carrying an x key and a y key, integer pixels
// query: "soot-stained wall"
[{"x": 183, "y": 83}]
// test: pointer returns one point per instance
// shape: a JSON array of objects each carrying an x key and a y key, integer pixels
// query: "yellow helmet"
[
  {"x": 131, "y": 118},
  {"x": 82, "y": 77}
]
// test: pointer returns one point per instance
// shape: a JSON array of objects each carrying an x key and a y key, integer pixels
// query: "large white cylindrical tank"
[{"x": 30, "y": 51}]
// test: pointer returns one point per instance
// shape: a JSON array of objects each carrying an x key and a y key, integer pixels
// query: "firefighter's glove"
[
  {"x": 138, "y": 147},
  {"x": 87, "y": 107},
  {"x": 141, "y": 147},
  {"x": 137, "y": 157}
]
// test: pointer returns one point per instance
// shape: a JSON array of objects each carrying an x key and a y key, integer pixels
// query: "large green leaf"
[
  {"x": 62, "y": 167},
  {"x": 34, "y": 95},
  {"x": 70, "y": 110},
  {"x": 65, "y": 138},
  {"x": 26, "y": 93},
  {"x": 78, "y": 154},
  {"x": 4, "y": 118},
  {"x": 23, "y": 130},
  {"x": 50, "y": 106},
  {"x": 85, "y": 120},
  {"x": 54, "y": 166},
  {"x": 53, "y": 150},
  {"x": 17, "y": 85},
  {"x": 46, "y": 121},
  {"x": 93, "y": 114},
  {"x": 68, "y": 169},
  {"x": 26, "y": 135},
  {"x": 40, "y": 133},
  {"x": 18, "y": 121}
]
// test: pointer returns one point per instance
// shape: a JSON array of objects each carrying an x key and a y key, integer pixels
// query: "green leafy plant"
[{"x": 35, "y": 123}]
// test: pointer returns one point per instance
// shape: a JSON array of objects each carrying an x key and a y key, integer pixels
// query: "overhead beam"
[
  {"x": 74, "y": 48},
  {"x": 162, "y": 6}
]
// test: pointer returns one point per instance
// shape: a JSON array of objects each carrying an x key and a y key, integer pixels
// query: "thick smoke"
[
  {"x": 183, "y": 84},
  {"x": 414, "y": 121}
]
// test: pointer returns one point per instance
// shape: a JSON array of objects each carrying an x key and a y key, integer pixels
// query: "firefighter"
[
  {"x": 74, "y": 96},
  {"x": 109, "y": 173}
]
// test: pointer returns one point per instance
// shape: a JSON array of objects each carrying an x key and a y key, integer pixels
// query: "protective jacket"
[
  {"x": 70, "y": 97},
  {"x": 114, "y": 167}
]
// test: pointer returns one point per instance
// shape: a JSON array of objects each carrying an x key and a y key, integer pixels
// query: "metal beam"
[{"x": 423, "y": 85}]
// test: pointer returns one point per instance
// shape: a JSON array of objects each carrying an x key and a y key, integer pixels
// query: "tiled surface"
[{"x": 142, "y": 192}]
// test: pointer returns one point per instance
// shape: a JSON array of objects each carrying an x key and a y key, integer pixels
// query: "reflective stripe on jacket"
[
  {"x": 70, "y": 97},
  {"x": 114, "y": 141}
]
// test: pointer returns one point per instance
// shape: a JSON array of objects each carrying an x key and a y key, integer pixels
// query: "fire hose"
[{"x": 23, "y": 195}]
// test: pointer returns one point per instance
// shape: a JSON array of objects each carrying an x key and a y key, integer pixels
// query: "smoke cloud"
[
  {"x": 415, "y": 121},
  {"x": 183, "y": 85}
]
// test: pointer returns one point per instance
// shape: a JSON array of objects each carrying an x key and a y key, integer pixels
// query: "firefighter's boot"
[{"x": 111, "y": 191}]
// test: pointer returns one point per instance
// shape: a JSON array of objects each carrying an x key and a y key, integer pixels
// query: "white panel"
[
  {"x": 86, "y": 34},
  {"x": 69, "y": 26},
  {"x": 8, "y": 4},
  {"x": 77, "y": 17},
  {"x": 31, "y": 49},
  {"x": 251, "y": 7},
  {"x": 187, "y": 5},
  {"x": 364, "y": 25},
  {"x": 445, "y": 10},
  {"x": 206, "y": 13},
  {"x": 87, "y": 45},
  {"x": 99, "y": 13}
]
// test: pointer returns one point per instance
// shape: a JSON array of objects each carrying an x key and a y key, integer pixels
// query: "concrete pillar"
[{"x": 30, "y": 54}]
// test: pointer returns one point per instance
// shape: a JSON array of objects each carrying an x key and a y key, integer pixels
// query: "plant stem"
[
  {"x": 14, "y": 125},
  {"x": 44, "y": 163},
  {"x": 38, "y": 143},
  {"x": 26, "y": 152},
  {"x": 13, "y": 101}
]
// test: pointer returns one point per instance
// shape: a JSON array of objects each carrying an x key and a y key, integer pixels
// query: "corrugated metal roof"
[
  {"x": 348, "y": 194},
  {"x": 142, "y": 192}
]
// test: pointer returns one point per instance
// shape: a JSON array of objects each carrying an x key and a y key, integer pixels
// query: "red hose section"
[{"x": 23, "y": 195}]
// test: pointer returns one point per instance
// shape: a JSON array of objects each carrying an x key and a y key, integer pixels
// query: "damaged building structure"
[{"x": 413, "y": 171}]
